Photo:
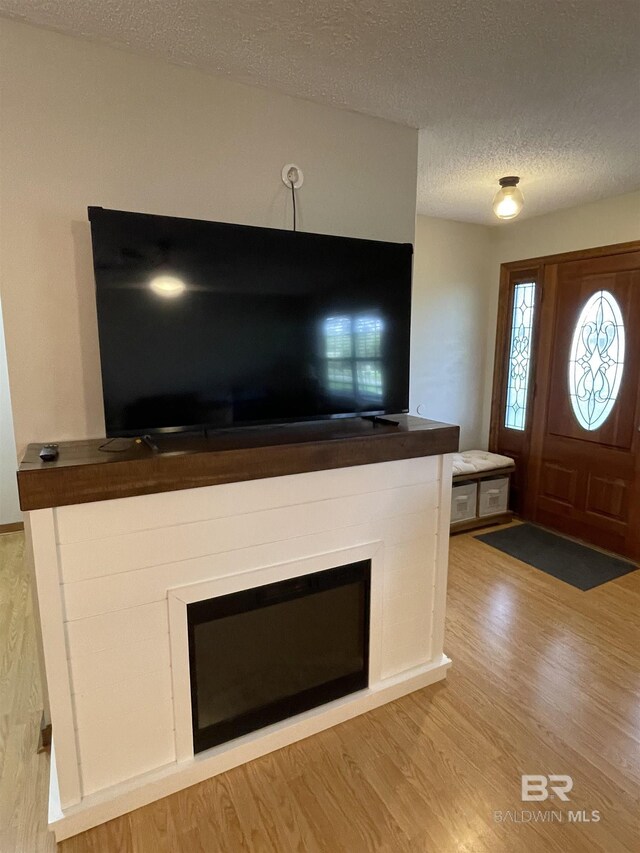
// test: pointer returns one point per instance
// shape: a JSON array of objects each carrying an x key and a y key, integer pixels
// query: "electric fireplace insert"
[{"x": 268, "y": 653}]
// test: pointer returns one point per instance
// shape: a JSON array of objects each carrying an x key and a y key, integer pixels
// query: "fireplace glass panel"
[{"x": 262, "y": 655}]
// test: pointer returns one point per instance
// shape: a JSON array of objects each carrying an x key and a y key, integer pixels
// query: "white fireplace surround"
[
  {"x": 114, "y": 579},
  {"x": 179, "y": 597}
]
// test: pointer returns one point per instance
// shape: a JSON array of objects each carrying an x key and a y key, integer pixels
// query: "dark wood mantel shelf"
[{"x": 83, "y": 473}]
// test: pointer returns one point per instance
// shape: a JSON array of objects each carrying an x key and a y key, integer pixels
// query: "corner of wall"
[{"x": 9, "y": 505}]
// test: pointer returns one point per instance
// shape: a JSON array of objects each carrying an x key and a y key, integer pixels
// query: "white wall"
[
  {"x": 601, "y": 223},
  {"x": 9, "y": 508},
  {"x": 451, "y": 290},
  {"x": 86, "y": 124}
]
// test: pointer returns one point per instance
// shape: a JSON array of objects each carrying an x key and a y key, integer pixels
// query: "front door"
[
  {"x": 581, "y": 445},
  {"x": 586, "y": 481}
]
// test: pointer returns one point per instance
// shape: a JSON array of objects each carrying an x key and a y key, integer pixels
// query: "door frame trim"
[{"x": 577, "y": 255}]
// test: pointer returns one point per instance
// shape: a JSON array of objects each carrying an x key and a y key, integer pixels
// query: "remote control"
[{"x": 49, "y": 452}]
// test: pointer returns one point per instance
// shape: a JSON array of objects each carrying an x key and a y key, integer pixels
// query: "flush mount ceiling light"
[{"x": 508, "y": 201}]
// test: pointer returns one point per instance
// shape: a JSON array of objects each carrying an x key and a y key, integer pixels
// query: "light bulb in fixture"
[
  {"x": 168, "y": 286},
  {"x": 508, "y": 201}
]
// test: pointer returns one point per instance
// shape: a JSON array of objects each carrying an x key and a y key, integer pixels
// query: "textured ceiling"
[{"x": 545, "y": 89}]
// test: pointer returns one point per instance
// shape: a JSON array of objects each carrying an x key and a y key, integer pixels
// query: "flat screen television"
[{"x": 208, "y": 325}]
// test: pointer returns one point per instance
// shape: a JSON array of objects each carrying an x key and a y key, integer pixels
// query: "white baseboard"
[{"x": 127, "y": 796}]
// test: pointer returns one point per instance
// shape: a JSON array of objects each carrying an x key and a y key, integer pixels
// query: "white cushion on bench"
[{"x": 475, "y": 461}]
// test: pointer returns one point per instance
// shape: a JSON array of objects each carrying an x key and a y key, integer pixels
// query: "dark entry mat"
[{"x": 578, "y": 565}]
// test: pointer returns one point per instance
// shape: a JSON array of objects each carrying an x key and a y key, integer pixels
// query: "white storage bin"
[
  {"x": 494, "y": 496},
  {"x": 463, "y": 501}
]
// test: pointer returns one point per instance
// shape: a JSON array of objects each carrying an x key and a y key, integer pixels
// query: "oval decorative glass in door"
[{"x": 596, "y": 360}]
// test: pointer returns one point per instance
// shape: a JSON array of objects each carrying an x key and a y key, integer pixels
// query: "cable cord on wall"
[{"x": 293, "y": 199}]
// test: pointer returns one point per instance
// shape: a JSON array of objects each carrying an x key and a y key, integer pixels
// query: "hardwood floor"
[
  {"x": 24, "y": 775},
  {"x": 545, "y": 680}
]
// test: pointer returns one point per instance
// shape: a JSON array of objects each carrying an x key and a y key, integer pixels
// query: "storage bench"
[{"x": 480, "y": 494}]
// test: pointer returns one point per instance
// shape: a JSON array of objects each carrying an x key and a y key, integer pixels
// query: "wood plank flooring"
[
  {"x": 24, "y": 775},
  {"x": 545, "y": 679}
]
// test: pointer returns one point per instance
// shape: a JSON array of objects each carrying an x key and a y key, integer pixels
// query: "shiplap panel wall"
[{"x": 118, "y": 559}]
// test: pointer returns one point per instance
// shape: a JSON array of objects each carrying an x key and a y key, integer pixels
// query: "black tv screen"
[{"x": 211, "y": 325}]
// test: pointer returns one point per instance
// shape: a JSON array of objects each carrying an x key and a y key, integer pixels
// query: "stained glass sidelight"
[
  {"x": 596, "y": 360},
  {"x": 524, "y": 297}
]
